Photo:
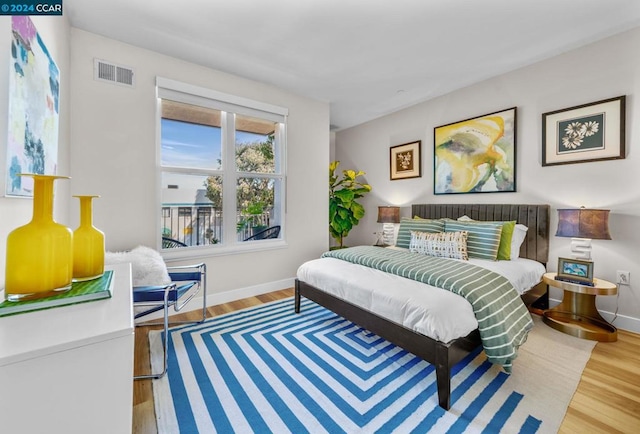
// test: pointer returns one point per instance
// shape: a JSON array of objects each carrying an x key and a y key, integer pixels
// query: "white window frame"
[{"x": 229, "y": 105}]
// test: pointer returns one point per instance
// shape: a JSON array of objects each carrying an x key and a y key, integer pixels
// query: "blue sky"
[{"x": 192, "y": 145}]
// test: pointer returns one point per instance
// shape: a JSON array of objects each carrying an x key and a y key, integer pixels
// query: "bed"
[{"x": 439, "y": 350}]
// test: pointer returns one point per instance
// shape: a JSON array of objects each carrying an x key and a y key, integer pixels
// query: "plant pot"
[{"x": 257, "y": 229}]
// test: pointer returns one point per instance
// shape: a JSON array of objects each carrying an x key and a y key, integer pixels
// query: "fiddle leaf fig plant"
[{"x": 344, "y": 210}]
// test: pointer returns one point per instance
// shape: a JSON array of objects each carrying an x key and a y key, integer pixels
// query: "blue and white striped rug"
[{"x": 267, "y": 369}]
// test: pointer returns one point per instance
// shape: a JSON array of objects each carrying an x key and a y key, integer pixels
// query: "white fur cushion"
[{"x": 147, "y": 266}]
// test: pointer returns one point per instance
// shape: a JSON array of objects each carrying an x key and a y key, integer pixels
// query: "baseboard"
[
  {"x": 228, "y": 296},
  {"x": 621, "y": 322},
  {"x": 250, "y": 291}
]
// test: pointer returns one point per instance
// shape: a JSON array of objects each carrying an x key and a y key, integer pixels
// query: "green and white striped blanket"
[{"x": 503, "y": 319}]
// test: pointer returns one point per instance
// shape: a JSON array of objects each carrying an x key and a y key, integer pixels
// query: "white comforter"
[{"x": 434, "y": 312}]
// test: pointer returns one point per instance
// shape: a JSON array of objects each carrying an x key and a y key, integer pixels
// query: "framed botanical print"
[
  {"x": 477, "y": 155},
  {"x": 405, "y": 161},
  {"x": 589, "y": 132}
]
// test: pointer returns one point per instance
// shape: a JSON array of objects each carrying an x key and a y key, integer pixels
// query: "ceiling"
[{"x": 366, "y": 58}]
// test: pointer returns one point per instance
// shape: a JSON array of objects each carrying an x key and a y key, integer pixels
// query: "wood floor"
[{"x": 607, "y": 399}]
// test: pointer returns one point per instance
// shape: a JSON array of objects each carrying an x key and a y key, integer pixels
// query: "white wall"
[
  {"x": 605, "y": 69},
  {"x": 15, "y": 212},
  {"x": 113, "y": 154}
]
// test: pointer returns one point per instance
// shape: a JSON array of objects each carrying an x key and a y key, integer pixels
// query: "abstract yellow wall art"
[{"x": 477, "y": 155}]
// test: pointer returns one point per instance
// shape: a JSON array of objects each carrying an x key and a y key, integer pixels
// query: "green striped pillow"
[
  {"x": 421, "y": 225},
  {"x": 483, "y": 240},
  {"x": 504, "y": 251}
]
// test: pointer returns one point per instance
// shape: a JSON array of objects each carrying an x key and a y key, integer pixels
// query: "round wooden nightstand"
[{"x": 577, "y": 314}]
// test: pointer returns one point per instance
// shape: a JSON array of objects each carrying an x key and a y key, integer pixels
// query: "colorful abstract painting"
[
  {"x": 476, "y": 155},
  {"x": 34, "y": 88}
]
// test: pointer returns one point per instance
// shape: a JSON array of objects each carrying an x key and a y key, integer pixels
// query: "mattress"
[{"x": 434, "y": 312}]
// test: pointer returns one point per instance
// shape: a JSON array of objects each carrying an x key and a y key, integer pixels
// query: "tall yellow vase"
[
  {"x": 40, "y": 253},
  {"x": 88, "y": 244}
]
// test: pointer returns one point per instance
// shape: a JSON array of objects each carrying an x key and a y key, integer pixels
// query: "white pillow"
[
  {"x": 519, "y": 234},
  {"x": 442, "y": 244},
  {"x": 147, "y": 266}
]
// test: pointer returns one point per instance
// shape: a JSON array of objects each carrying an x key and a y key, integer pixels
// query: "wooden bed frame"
[{"x": 442, "y": 355}]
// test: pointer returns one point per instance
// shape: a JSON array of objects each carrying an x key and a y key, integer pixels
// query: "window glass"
[
  {"x": 257, "y": 208},
  {"x": 191, "y": 136},
  {"x": 255, "y": 145},
  {"x": 189, "y": 216},
  {"x": 209, "y": 199}
]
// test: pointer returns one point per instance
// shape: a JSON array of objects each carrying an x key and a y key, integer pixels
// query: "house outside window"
[{"x": 221, "y": 169}]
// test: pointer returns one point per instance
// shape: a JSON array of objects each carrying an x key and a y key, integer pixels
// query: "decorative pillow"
[
  {"x": 504, "y": 250},
  {"x": 483, "y": 240},
  {"x": 443, "y": 244},
  {"x": 519, "y": 234},
  {"x": 147, "y": 266},
  {"x": 422, "y": 225}
]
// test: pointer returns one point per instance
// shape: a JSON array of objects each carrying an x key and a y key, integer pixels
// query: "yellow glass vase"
[
  {"x": 39, "y": 254},
  {"x": 88, "y": 244}
]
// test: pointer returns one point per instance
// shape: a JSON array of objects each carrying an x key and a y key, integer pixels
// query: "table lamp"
[
  {"x": 583, "y": 225},
  {"x": 388, "y": 216}
]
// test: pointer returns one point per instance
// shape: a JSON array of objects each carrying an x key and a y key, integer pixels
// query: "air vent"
[{"x": 113, "y": 73}]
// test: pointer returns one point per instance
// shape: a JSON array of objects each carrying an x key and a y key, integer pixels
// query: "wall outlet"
[{"x": 623, "y": 277}]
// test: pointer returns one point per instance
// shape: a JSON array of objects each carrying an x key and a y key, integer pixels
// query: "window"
[{"x": 222, "y": 168}]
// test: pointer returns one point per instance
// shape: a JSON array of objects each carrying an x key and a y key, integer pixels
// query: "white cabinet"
[{"x": 69, "y": 369}]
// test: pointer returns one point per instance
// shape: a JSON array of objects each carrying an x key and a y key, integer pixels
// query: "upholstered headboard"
[{"x": 535, "y": 217}]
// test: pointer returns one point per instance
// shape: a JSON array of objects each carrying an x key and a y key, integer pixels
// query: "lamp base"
[
  {"x": 387, "y": 234},
  {"x": 581, "y": 248}
]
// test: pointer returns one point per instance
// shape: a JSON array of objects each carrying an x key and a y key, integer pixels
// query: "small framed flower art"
[
  {"x": 405, "y": 161},
  {"x": 589, "y": 132}
]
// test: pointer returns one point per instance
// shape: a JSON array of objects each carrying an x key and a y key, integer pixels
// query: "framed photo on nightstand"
[{"x": 575, "y": 271}]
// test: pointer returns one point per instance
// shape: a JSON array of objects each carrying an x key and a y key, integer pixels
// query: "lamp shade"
[
  {"x": 388, "y": 214},
  {"x": 584, "y": 223}
]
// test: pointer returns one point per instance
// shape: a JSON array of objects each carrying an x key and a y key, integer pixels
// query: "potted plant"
[
  {"x": 252, "y": 218},
  {"x": 344, "y": 210}
]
